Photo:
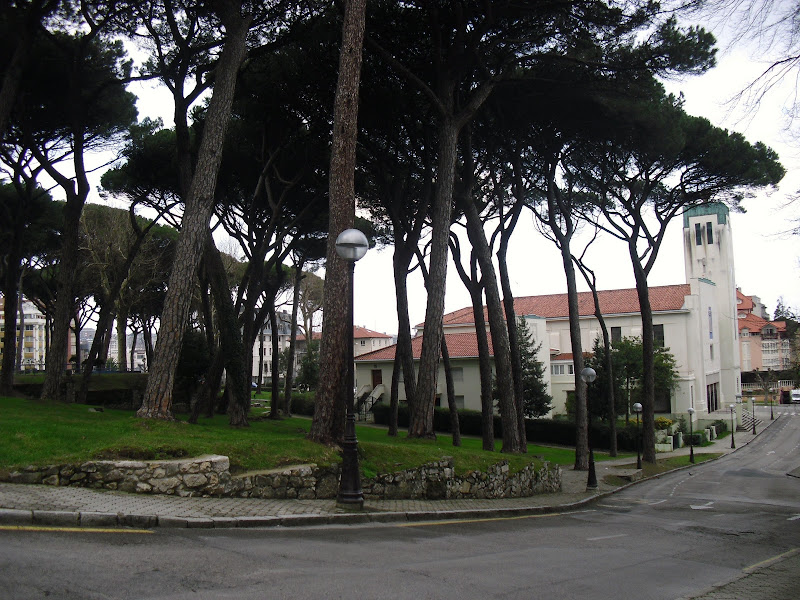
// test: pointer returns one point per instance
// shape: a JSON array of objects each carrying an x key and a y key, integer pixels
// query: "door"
[{"x": 377, "y": 378}]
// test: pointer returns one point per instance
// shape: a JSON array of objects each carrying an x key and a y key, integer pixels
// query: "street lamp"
[
  {"x": 588, "y": 375},
  {"x": 351, "y": 245},
  {"x": 733, "y": 442},
  {"x": 753, "y": 402},
  {"x": 690, "y": 410},
  {"x": 637, "y": 408},
  {"x": 771, "y": 413}
]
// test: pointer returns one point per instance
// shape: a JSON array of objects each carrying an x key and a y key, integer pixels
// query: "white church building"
[{"x": 695, "y": 320}]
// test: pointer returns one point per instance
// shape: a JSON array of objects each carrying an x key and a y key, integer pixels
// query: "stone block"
[
  {"x": 195, "y": 481},
  {"x": 98, "y": 519},
  {"x": 56, "y": 517},
  {"x": 13, "y": 516}
]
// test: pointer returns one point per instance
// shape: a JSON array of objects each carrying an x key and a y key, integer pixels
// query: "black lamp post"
[
  {"x": 351, "y": 245},
  {"x": 690, "y": 410},
  {"x": 637, "y": 408},
  {"x": 733, "y": 426},
  {"x": 753, "y": 402},
  {"x": 771, "y": 413},
  {"x": 588, "y": 375}
]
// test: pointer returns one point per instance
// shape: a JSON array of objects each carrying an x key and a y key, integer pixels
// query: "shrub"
[
  {"x": 721, "y": 426},
  {"x": 302, "y": 403},
  {"x": 662, "y": 423}
]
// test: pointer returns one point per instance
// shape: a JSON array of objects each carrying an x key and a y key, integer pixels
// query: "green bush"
[
  {"x": 721, "y": 426},
  {"x": 662, "y": 423},
  {"x": 538, "y": 431},
  {"x": 302, "y": 403}
]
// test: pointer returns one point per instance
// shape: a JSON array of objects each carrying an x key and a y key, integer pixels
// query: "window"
[
  {"x": 616, "y": 335},
  {"x": 458, "y": 373},
  {"x": 710, "y": 325},
  {"x": 711, "y": 351},
  {"x": 698, "y": 234},
  {"x": 363, "y": 342},
  {"x": 658, "y": 335},
  {"x": 745, "y": 333},
  {"x": 556, "y": 369},
  {"x": 709, "y": 233},
  {"x": 571, "y": 369}
]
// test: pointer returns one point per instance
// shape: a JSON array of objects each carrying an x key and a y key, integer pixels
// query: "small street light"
[
  {"x": 771, "y": 413},
  {"x": 351, "y": 245},
  {"x": 637, "y": 408},
  {"x": 690, "y": 410},
  {"x": 753, "y": 402},
  {"x": 588, "y": 375},
  {"x": 733, "y": 426}
]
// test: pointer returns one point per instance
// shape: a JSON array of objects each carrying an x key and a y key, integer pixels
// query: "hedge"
[{"x": 538, "y": 431}]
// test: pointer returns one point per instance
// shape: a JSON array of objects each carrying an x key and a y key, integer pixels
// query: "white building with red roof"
[
  {"x": 696, "y": 320},
  {"x": 763, "y": 344}
]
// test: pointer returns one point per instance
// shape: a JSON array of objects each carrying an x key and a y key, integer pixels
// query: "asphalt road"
[{"x": 731, "y": 522}]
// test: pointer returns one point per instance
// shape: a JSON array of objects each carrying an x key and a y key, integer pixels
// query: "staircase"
[
  {"x": 366, "y": 401},
  {"x": 747, "y": 421}
]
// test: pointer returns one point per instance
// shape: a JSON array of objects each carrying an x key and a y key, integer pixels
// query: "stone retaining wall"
[{"x": 210, "y": 476}]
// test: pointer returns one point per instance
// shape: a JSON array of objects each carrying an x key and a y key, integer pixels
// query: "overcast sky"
[{"x": 766, "y": 258}]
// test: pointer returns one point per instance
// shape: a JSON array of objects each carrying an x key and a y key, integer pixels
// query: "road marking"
[
  {"x": 606, "y": 537},
  {"x": 794, "y": 518},
  {"x": 770, "y": 452},
  {"x": 659, "y": 502},
  {"x": 769, "y": 561},
  {"x": 71, "y": 529},
  {"x": 487, "y": 519},
  {"x": 706, "y": 506}
]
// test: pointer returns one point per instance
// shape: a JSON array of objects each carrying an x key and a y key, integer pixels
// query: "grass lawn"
[
  {"x": 662, "y": 465},
  {"x": 36, "y": 432}
]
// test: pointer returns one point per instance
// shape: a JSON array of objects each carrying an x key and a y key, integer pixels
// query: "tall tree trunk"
[
  {"x": 475, "y": 289},
  {"x": 230, "y": 337},
  {"x": 394, "y": 399},
  {"x": 404, "y": 353},
  {"x": 287, "y": 393},
  {"x": 260, "y": 336},
  {"x": 122, "y": 338},
  {"x": 648, "y": 359},
  {"x": 57, "y": 355},
  {"x": 581, "y": 412},
  {"x": 421, "y": 419},
  {"x": 455, "y": 428},
  {"x": 331, "y": 400},
  {"x": 511, "y": 324},
  {"x": 11, "y": 303},
  {"x": 275, "y": 380},
  {"x": 21, "y": 321},
  {"x": 198, "y": 204},
  {"x": 498, "y": 328}
]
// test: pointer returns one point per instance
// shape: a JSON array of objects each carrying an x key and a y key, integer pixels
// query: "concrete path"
[{"x": 68, "y": 506}]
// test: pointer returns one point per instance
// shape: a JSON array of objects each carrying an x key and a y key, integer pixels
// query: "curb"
[{"x": 76, "y": 519}]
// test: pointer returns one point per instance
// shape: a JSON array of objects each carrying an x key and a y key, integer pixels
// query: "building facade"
[
  {"x": 763, "y": 344},
  {"x": 33, "y": 337},
  {"x": 695, "y": 320}
]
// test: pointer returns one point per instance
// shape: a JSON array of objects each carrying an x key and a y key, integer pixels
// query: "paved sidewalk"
[{"x": 68, "y": 506}]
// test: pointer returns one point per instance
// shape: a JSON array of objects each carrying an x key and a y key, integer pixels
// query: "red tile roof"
[
  {"x": 459, "y": 345},
  {"x": 751, "y": 322},
  {"x": 363, "y": 332},
  {"x": 743, "y": 302},
  {"x": 315, "y": 335},
  {"x": 358, "y": 333},
  {"x": 755, "y": 323},
  {"x": 612, "y": 302}
]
